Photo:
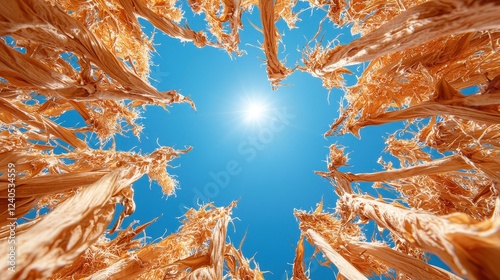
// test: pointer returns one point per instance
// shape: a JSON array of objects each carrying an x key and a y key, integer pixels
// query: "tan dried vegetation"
[{"x": 92, "y": 57}]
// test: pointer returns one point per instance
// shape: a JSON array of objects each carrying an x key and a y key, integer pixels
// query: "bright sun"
[{"x": 255, "y": 112}]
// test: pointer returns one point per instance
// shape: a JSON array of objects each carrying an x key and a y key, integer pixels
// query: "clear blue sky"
[{"x": 269, "y": 167}]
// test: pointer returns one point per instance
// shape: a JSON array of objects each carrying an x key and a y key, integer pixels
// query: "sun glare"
[{"x": 255, "y": 112}]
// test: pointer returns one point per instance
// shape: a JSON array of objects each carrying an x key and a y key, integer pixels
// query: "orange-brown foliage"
[{"x": 421, "y": 55}]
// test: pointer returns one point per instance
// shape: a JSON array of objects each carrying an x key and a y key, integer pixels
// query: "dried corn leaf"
[
  {"x": 298, "y": 264},
  {"x": 415, "y": 26},
  {"x": 467, "y": 246},
  {"x": 276, "y": 72},
  {"x": 67, "y": 231},
  {"x": 345, "y": 268}
]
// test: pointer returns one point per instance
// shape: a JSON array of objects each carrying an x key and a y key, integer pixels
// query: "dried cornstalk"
[
  {"x": 164, "y": 24},
  {"x": 88, "y": 167},
  {"x": 71, "y": 228},
  {"x": 345, "y": 268},
  {"x": 231, "y": 13},
  {"x": 414, "y": 74},
  {"x": 338, "y": 236},
  {"x": 298, "y": 271},
  {"x": 469, "y": 247},
  {"x": 370, "y": 257},
  {"x": 402, "y": 263},
  {"x": 171, "y": 257},
  {"x": 275, "y": 70},
  {"x": 365, "y": 15},
  {"x": 413, "y": 27}
]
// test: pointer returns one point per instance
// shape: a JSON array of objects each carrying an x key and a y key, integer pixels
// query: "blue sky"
[{"x": 269, "y": 167}]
